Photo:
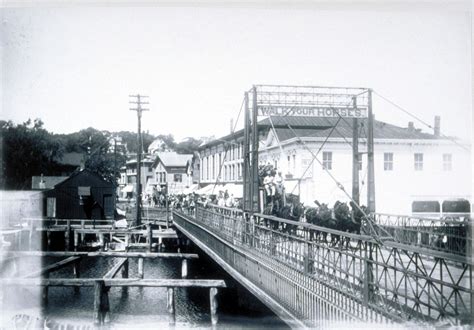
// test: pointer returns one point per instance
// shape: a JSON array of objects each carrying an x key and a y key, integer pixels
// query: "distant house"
[
  {"x": 84, "y": 195},
  {"x": 46, "y": 182},
  {"x": 173, "y": 169},
  {"x": 128, "y": 176}
]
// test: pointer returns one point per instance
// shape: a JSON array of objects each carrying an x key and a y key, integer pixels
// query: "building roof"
[
  {"x": 174, "y": 159},
  {"x": 72, "y": 158},
  {"x": 321, "y": 127},
  {"x": 49, "y": 181}
]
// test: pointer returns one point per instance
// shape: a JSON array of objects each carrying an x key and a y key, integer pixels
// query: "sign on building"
[{"x": 311, "y": 111}]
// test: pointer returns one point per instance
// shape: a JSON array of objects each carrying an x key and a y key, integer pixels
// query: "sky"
[{"x": 75, "y": 66}]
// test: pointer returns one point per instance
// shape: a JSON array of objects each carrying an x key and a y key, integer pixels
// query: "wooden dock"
[{"x": 139, "y": 243}]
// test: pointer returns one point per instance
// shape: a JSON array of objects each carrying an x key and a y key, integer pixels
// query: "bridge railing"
[
  {"x": 452, "y": 236},
  {"x": 372, "y": 279}
]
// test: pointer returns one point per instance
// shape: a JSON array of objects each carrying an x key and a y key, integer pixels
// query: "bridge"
[{"x": 315, "y": 276}]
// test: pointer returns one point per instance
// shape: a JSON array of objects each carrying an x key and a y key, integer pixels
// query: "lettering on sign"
[{"x": 330, "y": 112}]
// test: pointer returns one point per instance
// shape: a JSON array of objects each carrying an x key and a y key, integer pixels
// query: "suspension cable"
[
  {"x": 420, "y": 120},
  {"x": 341, "y": 187},
  {"x": 315, "y": 155}
]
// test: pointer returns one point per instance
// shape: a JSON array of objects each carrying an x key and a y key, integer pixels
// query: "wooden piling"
[
  {"x": 171, "y": 307},
  {"x": 99, "y": 288},
  {"x": 77, "y": 273},
  {"x": 105, "y": 305},
  {"x": 150, "y": 237},
  {"x": 67, "y": 235},
  {"x": 76, "y": 240},
  {"x": 102, "y": 242},
  {"x": 125, "y": 269},
  {"x": 48, "y": 240},
  {"x": 140, "y": 267},
  {"x": 30, "y": 235},
  {"x": 184, "y": 268},
  {"x": 44, "y": 292},
  {"x": 213, "y": 302}
]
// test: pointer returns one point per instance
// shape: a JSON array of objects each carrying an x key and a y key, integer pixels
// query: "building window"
[
  {"x": 289, "y": 164},
  {"x": 418, "y": 162},
  {"x": 327, "y": 160},
  {"x": 360, "y": 163},
  {"x": 388, "y": 161},
  {"x": 213, "y": 164},
  {"x": 447, "y": 162},
  {"x": 294, "y": 164},
  {"x": 178, "y": 178},
  {"x": 225, "y": 173}
]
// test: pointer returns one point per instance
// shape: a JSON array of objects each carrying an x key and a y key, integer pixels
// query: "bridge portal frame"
[{"x": 290, "y": 99}]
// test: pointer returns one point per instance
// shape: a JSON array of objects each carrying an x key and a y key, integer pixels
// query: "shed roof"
[{"x": 49, "y": 181}]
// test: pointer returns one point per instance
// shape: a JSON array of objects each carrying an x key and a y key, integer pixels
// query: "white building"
[
  {"x": 409, "y": 165},
  {"x": 173, "y": 169}
]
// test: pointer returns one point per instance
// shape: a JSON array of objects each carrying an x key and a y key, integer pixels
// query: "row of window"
[
  {"x": 162, "y": 177},
  {"x": 388, "y": 161}
]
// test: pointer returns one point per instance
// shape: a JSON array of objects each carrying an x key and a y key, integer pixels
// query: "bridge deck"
[{"x": 316, "y": 275}]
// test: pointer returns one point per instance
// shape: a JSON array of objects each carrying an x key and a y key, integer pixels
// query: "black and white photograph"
[{"x": 236, "y": 164}]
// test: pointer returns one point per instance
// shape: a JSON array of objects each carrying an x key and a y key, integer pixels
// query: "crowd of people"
[{"x": 188, "y": 202}]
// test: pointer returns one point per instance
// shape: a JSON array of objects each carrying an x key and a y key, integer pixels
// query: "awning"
[
  {"x": 190, "y": 189},
  {"x": 128, "y": 188},
  {"x": 210, "y": 189},
  {"x": 235, "y": 189}
]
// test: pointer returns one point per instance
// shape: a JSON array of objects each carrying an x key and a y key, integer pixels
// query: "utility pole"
[{"x": 137, "y": 101}]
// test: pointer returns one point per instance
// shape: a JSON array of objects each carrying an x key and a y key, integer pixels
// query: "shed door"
[{"x": 108, "y": 206}]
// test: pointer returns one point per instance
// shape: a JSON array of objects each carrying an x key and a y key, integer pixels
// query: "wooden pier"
[{"x": 139, "y": 243}]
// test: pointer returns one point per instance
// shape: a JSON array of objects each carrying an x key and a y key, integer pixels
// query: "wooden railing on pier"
[
  {"x": 318, "y": 275},
  {"x": 102, "y": 285}
]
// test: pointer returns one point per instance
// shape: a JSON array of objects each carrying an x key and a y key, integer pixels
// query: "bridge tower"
[{"x": 282, "y": 101}]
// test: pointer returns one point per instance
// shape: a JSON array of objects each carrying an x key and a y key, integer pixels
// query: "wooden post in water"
[
  {"x": 170, "y": 306},
  {"x": 184, "y": 268},
  {"x": 77, "y": 274},
  {"x": 44, "y": 291},
  {"x": 125, "y": 269},
  {"x": 30, "y": 236},
  {"x": 99, "y": 287},
  {"x": 48, "y": 240},
  {"x": 213, "y": 303},
  {"x": 150, "y": 237},
  {"x": 67, "y": 235},
  {"x": 76, "y": 240},
  {"x": 105, "y": 305},
  {"x": 101, "y": 242},
  {"x": 140, "y": 267}
]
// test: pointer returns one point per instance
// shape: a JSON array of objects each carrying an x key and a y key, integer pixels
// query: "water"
[{"x": 141, "y": 307}]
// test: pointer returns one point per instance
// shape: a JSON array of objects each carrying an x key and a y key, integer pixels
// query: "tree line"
[{"x": 28, "y": 149}]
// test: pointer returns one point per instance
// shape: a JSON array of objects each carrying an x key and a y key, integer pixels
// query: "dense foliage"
[{"x": 28, "y": 149}]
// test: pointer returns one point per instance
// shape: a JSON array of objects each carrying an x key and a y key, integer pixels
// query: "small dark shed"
[{"x": 84, "y": 195}]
